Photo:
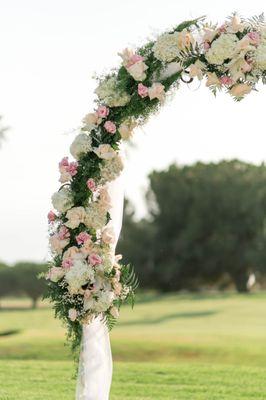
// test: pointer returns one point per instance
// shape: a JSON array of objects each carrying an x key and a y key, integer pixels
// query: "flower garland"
[{"x": 85, "y": 278}]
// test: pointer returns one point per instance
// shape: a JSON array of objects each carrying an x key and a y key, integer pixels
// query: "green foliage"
[
  {"x": 22, "y": 279},
  {"x": 27, "y": 282}
]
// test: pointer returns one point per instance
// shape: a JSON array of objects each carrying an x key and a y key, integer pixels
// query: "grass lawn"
[{"x": 196, "y": 347}]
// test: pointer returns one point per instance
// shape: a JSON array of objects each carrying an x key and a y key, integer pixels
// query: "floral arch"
[{"x": 232, "y": 57}]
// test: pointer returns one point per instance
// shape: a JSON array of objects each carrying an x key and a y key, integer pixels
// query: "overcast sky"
[{"x": 49, "y": 51}]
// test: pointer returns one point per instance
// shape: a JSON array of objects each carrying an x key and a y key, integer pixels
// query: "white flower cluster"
[
  {"x": 222, "y": 49},
  {"x": 81, "y": 145},
  {"x": 63, "y": 200},
  {"x": 111, "y": 169},
  {"x": 260, "y": 55},
  {"x": 79, "y": 275},
  {"x": 110, "y": 94},
  {"x": 168, "y": 46}
]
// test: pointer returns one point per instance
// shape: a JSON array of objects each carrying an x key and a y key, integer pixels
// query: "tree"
[
  {"x": 26, "y": 274},
  {"x": 209, "y": 220},
  {"x": 8, "y": 284}
]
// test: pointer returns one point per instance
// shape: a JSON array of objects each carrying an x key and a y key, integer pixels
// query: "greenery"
[
  {"x": 208, "y": 346},
  {"x": 22, "y": 279},
  {"x": 206, "y": 227}
]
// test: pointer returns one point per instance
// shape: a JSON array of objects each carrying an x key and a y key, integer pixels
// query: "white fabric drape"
[{"x": 96, "y": 365}]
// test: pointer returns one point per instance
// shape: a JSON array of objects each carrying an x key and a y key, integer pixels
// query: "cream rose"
[
  {"x": 75, "y": 216},
  {"x": 240, "y": 90},
  {"x": 126, "y": 129},
  {"x": 91, "y": 120},
  {"x": 57, "y": 245},
  {"x": 156, "y": 91},
  {"x": 137, "y": 71},
  {"x": 105, "y": 151},
  {"x": 108, "y": 235}
]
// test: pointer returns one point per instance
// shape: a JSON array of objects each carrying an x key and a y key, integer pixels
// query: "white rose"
[
  {"x": 75, "y": 216},
  {"x": 81, "y": 145},
  {"x": 62, "y": 200}
]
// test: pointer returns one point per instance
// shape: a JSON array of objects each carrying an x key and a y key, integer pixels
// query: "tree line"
[{"x": 22, "y": 279}]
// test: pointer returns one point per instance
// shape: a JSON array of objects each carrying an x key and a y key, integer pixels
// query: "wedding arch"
[{"x": 85, "y": 278}]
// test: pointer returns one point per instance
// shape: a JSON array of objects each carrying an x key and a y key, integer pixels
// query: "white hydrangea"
[
  {"x": 108, "y": 92},
  {"x": 166, "y": 47},
  {"x": 79, "y": 274},
  {"x": 222, "y": 49},
  {"x": 111, "y": 169},
  {"x": 260, "y": 56},
  {"x": 105, "y": 300},
  {"x": 81, "y": 145},
  {"x": 63, "y": 200},
  {"x": 95, "y": 216}
]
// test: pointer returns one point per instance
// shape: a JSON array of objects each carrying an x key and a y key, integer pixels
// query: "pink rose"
[
  {"x": 63, "y": 162},
  {"x": 67, "y": 263},
  {"x": 91, "y": 184},
  {"x": 95, "y": 259},
  {"x": 110, "y": 127},
  {"x": 83, "y": 237},
  {"x": 72, "y": 168},
  {"x": 103, "y": 111},
  {"x": 254, "y": 37},
  {"x": 51, "y": 216},
  {"x": 142, "y": 90},
  {"x": 72, "y": 314},
  {"x": 63, "y": 233},
  {"x": 206, "y": 45},
  {"x": 226, "y": 80}
]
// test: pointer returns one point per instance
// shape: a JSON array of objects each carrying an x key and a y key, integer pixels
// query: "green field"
[{"x": 197, "y": 347}]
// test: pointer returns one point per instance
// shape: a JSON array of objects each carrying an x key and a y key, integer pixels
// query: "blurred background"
[{"x": 194, "y": 218}]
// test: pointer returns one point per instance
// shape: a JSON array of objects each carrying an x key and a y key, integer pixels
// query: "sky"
[{"x": 50, "y": 51}]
